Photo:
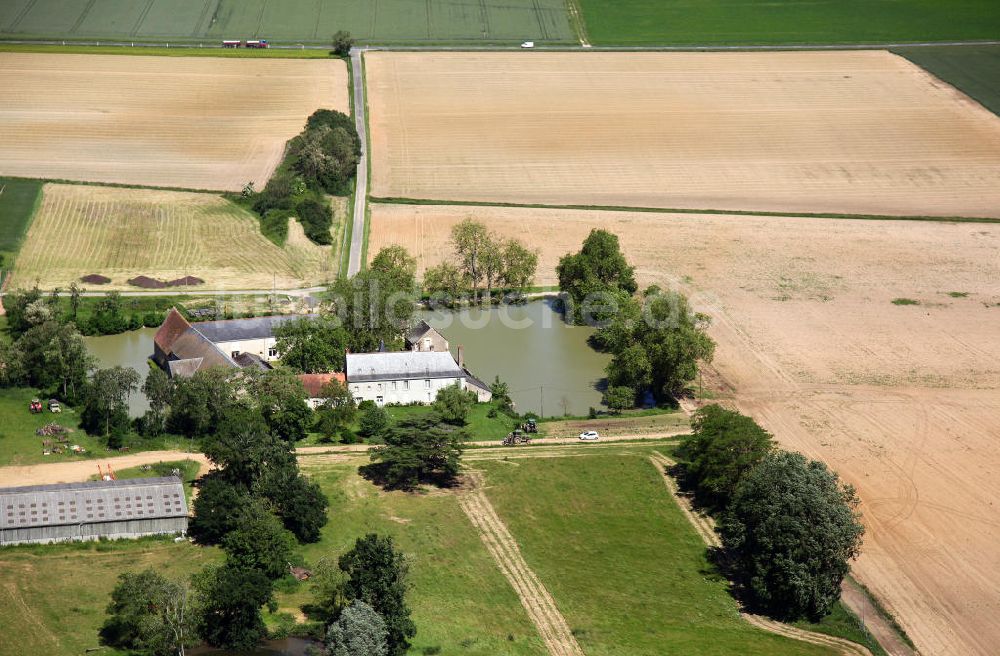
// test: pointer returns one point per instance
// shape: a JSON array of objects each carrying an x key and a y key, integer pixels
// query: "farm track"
[
  {"x": 705, "y": 528},
  {"x": 535, "y": 598}
]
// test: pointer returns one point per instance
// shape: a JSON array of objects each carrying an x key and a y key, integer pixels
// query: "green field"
[
  {"x": 18, "y": 200},
  {"x": 654, "y": 22},
  {"x": 974, "y": 70},
  {"x": 289, "y": 21}
]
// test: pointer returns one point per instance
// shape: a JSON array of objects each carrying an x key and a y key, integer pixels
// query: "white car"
[
  {"x": 589, "y": 436},
  {"x": 528, "y": 44}
]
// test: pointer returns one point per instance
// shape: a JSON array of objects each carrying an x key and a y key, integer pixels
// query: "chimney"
[{"x": 461, "y": 356}]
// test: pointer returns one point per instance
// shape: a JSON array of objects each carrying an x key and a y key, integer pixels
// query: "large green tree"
[
  {"x": 472, "y": 243},
  {"x": 359, "y": 631},
  {"x": 231, "y": 599},
  {"x": 595, "y": 277},
  {"x": 198, "y": 402},
  {"x": 792, "y": 529},
  {"x": 452, "y": 404},
  {"x": 312, "y": 345},
  {"x": 105, "y": 403},
  {"x": 417, "y": 449},
  {"x": 376, "y": 574},
  {"x": 395, "y": 268},
  {"x": 150, "y": 614},
  {"x": 723, "y": 446},
  {"x": 258, "y": 541}
]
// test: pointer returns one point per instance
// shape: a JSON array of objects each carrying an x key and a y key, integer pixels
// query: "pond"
[
  {"x": 283, "y": 647},
  {"x": 131, "y": 349},
  {"x": 548, "y": 365}
]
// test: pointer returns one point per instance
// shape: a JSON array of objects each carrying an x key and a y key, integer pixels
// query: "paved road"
[{"x": 361, "y": 188}]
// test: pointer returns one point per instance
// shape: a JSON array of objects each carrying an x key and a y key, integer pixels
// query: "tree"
[
  {"x": 722, "y": 448},
  {"x": 216, "y": 508},
  {"x": 158, "y": 390},
  {"x": 11, "y": 364},
  {"x": 373, "y": 314},
  {"x": 395, "y": 268},
  {"x": 453, "y": 403},
  {"x": 301, "y": 505},
  {"x": 150, "y": 614},
  {"x": 417, "y": 449},
  {"x": 376, "y": 574},
  {"x": 359, "y": 631},
  {"x": 312, "y": 345},
  {"x": 16, "y": 305},
  {"x": 519, "y": 265},
  {"x": 500, "y": 391},
  {"x": 74, "y": 299},
  {"x": 373, "y": 421},
  {"x": 599, "y": 272},
  {"x": 472, "y": 241},
  {"x": 791, "y": 529},
  {"x": 445, "y": 281},
  {"x": 258, "y": 541},
  {"x": 337, "y": 410},
  {"x": 630, "y": 368},
  {"x": 198, "y": 402},
  {"x": 281, "y": 399},
  {"x": 619, "y": 398},
  {"x": 106, "y": 399},
  {"x": 342, "y": 43},
  {"x": 231, "y": 602},
  {"x": 326, "y": 153}
]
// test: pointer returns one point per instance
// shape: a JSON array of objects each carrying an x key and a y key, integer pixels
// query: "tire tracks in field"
[
  {"x": 705, "y": 527},
  {"x": 499, "y": 542}
]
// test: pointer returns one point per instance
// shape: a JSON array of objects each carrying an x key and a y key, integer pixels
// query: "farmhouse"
[
  {"x": 314, "y": 384},
  {"x": 88, "y": 511},
  {"x": 181, "y": 348},
  {"x": 408, "y": 376},
  {"x": 424, "y": 338}
]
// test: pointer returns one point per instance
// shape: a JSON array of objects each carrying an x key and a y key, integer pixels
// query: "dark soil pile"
[
  {"x": 146, "y": 282},
  {"x": 95, "y": 279},
  {"x": 185, "y": 282}
]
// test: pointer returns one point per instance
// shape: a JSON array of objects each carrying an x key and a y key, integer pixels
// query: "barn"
[{"x": 87, "y": 511}]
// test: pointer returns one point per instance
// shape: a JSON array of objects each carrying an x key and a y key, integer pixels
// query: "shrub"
[
  {"x": 274, "y": 226},
  {"x": 316, "y": 220}
]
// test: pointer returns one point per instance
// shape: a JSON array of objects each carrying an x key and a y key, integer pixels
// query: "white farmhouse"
[{"x": 407, "y": 377}]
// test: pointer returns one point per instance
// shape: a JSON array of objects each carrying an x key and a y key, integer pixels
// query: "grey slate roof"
[
  {"x": 234, "y": 330},
  {"x": 418, "y": 331},
  {"x": 91, "y": 502},
  {"x": 364, "y": 367},
  {"x": 253, "y": 361}
]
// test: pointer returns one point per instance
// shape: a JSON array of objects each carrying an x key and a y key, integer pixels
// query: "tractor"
[
  {"x": 35, "y": 406},
  {"x": 515, "y": 438},
  {"x": 530, "y": 426}
]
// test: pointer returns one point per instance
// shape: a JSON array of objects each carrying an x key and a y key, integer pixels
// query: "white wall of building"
[
  {"x": 264, "y": 347},
  {"x": 403, "y": 392}
]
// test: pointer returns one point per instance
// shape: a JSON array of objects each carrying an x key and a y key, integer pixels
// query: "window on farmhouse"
[
  {"x": 272, "y": 352},
  {"x": 406, "y": 384},
  {"x": 427, "y": 384}
]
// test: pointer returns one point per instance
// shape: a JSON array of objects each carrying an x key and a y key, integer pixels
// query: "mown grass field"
[
  {"x": 652, "y": 22},
  {"x": 18, "y": 199},
  {"x": 625, "y": 568},
  {"x": 18, "y": 443},
  {"x": 383, "y": 21},
  {"x": 122, "y": 233},
  {"x": 973, "y": 70}
]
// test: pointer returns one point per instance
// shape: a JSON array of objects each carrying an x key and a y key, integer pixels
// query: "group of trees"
[
  {"x": 108, "y": 315},
  {"x": 482, "y": 261},
  {"x": 656, "y": 340},
  {"x": 321, "y": 160},
  {"x": 789, "y": 527}
]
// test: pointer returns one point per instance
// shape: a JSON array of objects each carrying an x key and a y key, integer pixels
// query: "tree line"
[{"x": 789, "y": 526}]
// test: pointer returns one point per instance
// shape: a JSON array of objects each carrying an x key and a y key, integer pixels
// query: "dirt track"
[
  {"x": 537, "y": 601},
  {"x": 194, "y": 122},
  {"x": 902, "y": 400},
  {"x": 862, "y": 132}
]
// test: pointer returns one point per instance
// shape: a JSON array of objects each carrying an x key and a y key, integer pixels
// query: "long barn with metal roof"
[{"x": 87, "y": 511}]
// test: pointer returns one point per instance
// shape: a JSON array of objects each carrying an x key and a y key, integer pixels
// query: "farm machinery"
[{"x": 515, "y": 438}]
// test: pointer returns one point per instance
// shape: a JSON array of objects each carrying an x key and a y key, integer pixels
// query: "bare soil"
[
  {"x": 192, "y": 122},
  {"x": 902, "y": 401},
  {"x": 841, "y": 132}
]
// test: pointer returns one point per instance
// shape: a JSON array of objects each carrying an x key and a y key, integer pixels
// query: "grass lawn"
[
  {"x": 974, "y": 70},
  {"x": 461, "y": 602},
  {"x": 663, "y": 22},
  {"x": 18, "y": 443},
  {"x": 638, "y": 422},
  {"x": 52, "y": 597},
  {"x": 18, "y": 200},
  {"x": 624, "y": 566}
]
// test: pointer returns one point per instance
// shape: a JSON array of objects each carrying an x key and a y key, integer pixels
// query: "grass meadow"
[
  {"x": 681, "y": 22},
  {"x": 18, "y": 200},
  {"x": 289, "y": 21}
]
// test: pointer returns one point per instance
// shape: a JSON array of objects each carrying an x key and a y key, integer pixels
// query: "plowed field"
[
  {"x": 822, "y": 132},
  {"x": 902, "y": 400},
  {"x": 197, "y": 123}
]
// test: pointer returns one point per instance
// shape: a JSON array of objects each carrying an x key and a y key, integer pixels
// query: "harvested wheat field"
[
  {"x": 903, "y": 400},
  {"x": 191, "y": 122},
  {"x": 123, "y": 233},
  {"x": 823, "y": 132}
]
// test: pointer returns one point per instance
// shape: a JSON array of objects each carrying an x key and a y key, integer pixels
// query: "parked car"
[
  {"x": 528, "y": 44},
  {"x": 589, "y": 436},
  {"x": 54, "y": 406}
]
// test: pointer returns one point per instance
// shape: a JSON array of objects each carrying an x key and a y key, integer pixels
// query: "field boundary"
[
  {"x": 499, "y": 542},
  {"x": 673, "y": 210}
]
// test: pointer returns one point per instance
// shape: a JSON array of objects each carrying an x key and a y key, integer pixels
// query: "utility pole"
[{"x": 541, "y": 398}]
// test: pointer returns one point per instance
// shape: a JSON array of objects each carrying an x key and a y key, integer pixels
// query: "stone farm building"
[
  {"x": 88, "y": 511},
  {"x": 407, "y": 377},
  {"x": 182, "y": 348}
]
